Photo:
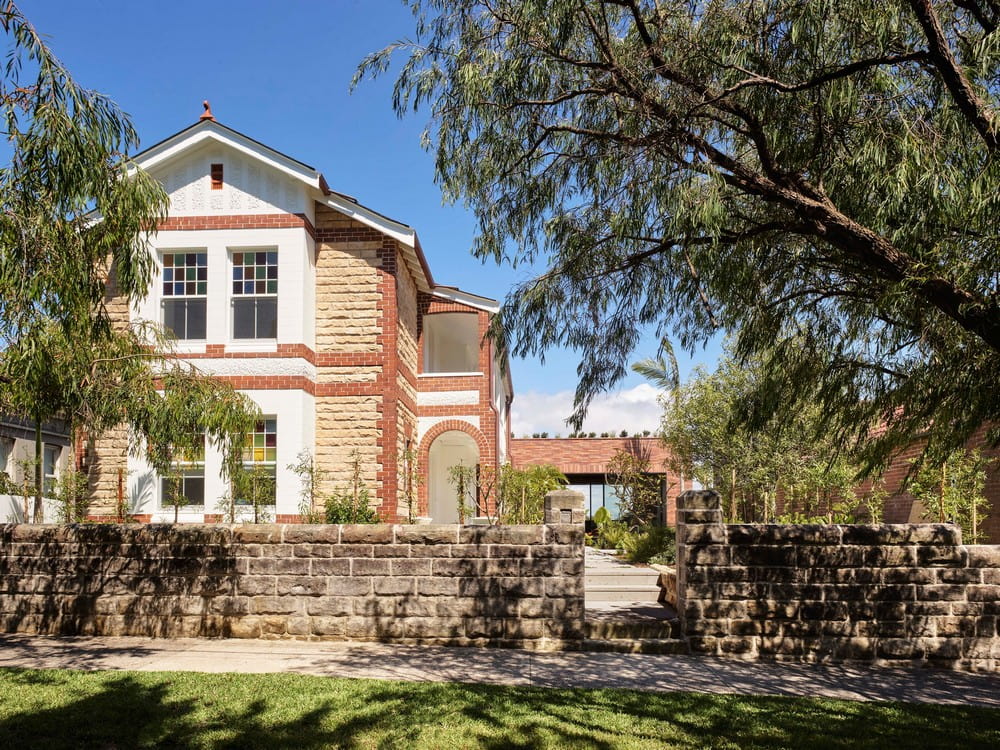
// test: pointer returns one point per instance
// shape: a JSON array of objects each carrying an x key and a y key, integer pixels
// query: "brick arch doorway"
[{"x": 449, "y": 444}]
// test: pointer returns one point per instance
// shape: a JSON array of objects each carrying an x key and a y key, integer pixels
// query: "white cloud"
[{"x": 633, "y": 409}]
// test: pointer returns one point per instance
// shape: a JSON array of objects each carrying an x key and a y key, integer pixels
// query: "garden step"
[
  {"x": 637, "y": 645},
  {"x": 623, "y": 593},
  {"x": 630, "y": 629},
  {"x": 633, "y": 576}
]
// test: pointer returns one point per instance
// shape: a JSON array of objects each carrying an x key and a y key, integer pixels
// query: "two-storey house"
[{"x": 325, "y": 313}]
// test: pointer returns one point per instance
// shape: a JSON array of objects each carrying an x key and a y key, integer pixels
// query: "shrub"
[
  {"x": 345, "y": 507},
  {"x": 655, "y": 544}
]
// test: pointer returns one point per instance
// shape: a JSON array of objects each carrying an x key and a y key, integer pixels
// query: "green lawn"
[{"x": 111, "y": 710}]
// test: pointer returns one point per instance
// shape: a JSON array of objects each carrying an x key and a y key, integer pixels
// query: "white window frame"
[
  {"x": 232, "y": 296},
  {"x": 164, "y": 298},
  {"x": 194, "y": 468}
]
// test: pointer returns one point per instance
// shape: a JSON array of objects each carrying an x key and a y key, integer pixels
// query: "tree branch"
[{"x": 968, "y": 102}]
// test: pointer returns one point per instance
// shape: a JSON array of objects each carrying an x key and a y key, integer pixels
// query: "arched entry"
[{"x": 448, "y": 449}]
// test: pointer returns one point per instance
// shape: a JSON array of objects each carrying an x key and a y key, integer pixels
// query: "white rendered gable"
[{"x": 249, "y": 185}]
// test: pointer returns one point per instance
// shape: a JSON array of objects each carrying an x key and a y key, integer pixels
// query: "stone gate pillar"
[{"x": 699, "y": 523}]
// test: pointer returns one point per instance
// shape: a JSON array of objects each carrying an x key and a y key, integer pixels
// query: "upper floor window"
[
  {"x": 185, "y": 286},
  {"x": 451, "y": 342},
  {"x": 255, "y": 294}
]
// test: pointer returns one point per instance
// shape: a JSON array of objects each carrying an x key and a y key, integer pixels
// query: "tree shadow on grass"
[{"x": 112, "y": 710}]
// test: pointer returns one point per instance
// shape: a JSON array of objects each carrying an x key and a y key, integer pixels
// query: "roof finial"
[{"x": 207, "y": 114}]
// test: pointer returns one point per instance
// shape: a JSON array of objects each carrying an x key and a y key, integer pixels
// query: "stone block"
[
  {"x": 457, "y": 567},
  {"x": 547, "y": 551},
  {"x": 703, "y": 644},
  {"x": 695, "y": 516},
  {"x": 438, "y": 586},
  {"x": 779, "y": 556},
  {"x": 349, "y": 586},
  {"x": 427, "y": 534},
  {"x": 311, "y": 550},
  {"x": 367, "y": 533},
  {"x": 702, "y": 534},
  {"x": 928, "y": 609},
  {"x": 724, "y": 609},
  {"x": 531, "y": 587},
  {"x": 822, "y": 556},
  {"x": 939, "y": 556},
  {"x": 329, "y": 626},
  {"x": 417, "y": 606},
  {"x": 699, "y": 499},
  {"x": 351, "y": 550},
  {"x": 245, "y": 627},
  {"x": 890, "y": 576},
  {"x": 432, "y": 627},
  {"x": 564, "y": 587},
  {"x": 708, "y": 555},
  {"x": 960, "y": 575},
  {"x": 564, "y": 507},
  {"x": 291, "y": 566},
  {"x": 312, "y": 533},
  {"x": 484, "y": 627},
  {"x": 375, "y": 607},
  {"x": 952, "y": 592},
  {"x": 366, "y": 567},
  {"x": 338, "y": 566},
  {"x": 770, "y": 609},
  {"x": 274, "y": 605},
  {"x": 330, "y": 606},
  {"x": 518, "y": 628},
  {"x": 410, "y": 567},
  {"x": 385, "y": 586},
  {"x": 301, "y": 586},
  {"x": 571, "y": 534},
  {"x": 256, "y": 534},
  {"x": 983, "y": 593},
  {"x": 519, "y": 535},
  {"x": 775, "y": 645},
  {"x": 392, "y": 551},
  {"x": 984, "y": 555}
]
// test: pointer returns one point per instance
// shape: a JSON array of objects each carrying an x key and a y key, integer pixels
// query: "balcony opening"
[{"x": 451, "y": 342}]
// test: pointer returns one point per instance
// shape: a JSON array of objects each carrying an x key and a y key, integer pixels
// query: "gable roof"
[{"x": 209, "y": 130}]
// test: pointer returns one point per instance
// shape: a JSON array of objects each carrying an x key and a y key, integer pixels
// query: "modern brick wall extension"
[
  {"x": 458, "y": 585},
  {"x": 896, "y": 594}
]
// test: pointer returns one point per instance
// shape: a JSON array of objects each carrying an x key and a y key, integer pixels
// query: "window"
[
  {"x": 260, "y": 459},
  {"x": 6, "y": 448},
  {"x": 50, "y": 464},
  {"x": 255, "y": 294},
  {"x": 216, "y": 177},
  {"x": 185, "y": 285},
  {"x": 451, "y": 342},
  {"x": 187, "y": 480}
]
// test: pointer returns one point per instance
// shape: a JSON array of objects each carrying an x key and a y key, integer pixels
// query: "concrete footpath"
[{"x": 500, "y": 667}]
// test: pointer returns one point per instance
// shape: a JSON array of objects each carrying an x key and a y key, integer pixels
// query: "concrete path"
[{"x": 500, "y": 666}]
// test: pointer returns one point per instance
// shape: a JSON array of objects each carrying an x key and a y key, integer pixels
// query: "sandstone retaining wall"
[
  {"x": 891, "y": 593},
  {"x": 508, "y": 586}
]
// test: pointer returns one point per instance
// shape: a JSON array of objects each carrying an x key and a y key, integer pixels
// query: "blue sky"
[{"x": 280, "y": 72}]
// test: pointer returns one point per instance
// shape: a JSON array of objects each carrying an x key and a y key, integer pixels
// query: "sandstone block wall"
[
  {"x": 509, "y": 586},
  {"x": 892, "y": 593}
]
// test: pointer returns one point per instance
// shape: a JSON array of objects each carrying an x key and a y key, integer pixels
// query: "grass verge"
[{"x": 111, "y": 710}]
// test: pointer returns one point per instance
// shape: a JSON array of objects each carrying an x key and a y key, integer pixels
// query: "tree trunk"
[{"x": 39, "y": 511}]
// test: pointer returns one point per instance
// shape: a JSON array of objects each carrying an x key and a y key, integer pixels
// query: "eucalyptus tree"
[
  {"x": 75, "y": 214},
  {"x": 818, "y": 177}
]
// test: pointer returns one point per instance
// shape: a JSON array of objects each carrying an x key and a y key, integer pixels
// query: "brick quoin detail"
[
  {"x": 487, "y": 455},
  {"x": 240, "y": 221},
  {"x": 388, "y": 320}
]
